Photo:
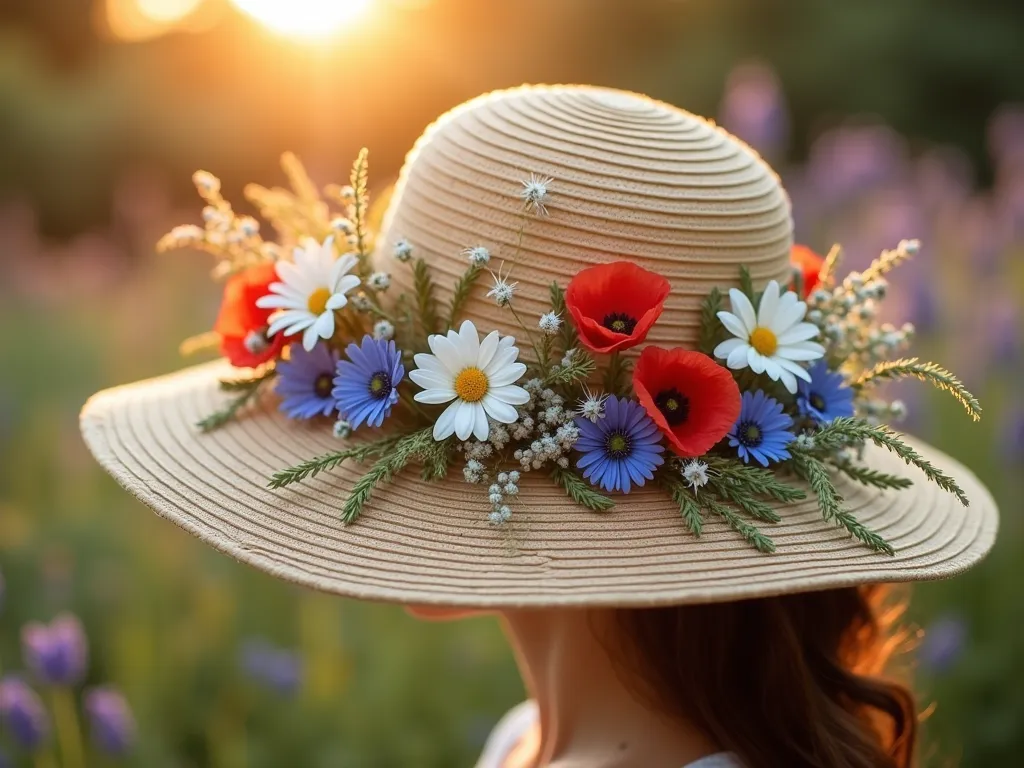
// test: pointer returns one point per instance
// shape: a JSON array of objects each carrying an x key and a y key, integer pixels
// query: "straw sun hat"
[{"x": 630, "y": 179}]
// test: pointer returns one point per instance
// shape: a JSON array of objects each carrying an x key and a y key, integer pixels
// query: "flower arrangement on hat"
[{"x": 775, "y": 402}]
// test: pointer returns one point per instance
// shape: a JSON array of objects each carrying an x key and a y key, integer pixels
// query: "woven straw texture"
[
  {"x": 633, "y": 179},
  {"x": 431, "y": 544}
]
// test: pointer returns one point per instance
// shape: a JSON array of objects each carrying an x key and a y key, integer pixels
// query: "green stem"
[
  {"x": 529, "y": 336},
  {"x": 69, "y": 734}
]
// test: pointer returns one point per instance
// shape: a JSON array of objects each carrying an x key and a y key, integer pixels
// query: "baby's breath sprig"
[
  {"x": 246, "y": 389},
  {"x": 890, "y": 259},
  {"x": 934, "y": 374}
]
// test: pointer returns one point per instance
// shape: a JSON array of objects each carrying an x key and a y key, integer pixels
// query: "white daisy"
[
  {"x": 478, "y": 375},
  {"x": 311, "y": 289},
  {"x": 774, "y": 341}
]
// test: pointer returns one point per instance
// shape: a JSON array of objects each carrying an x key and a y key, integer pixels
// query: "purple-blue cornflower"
[
  {"x": 620, "y": 450},
  {"x": 762, "y": 430},
  {"x": 111, "y": 723},
  {"x": 305, "y": 381},
  {"x": 277, "y": 669},
  {"x": 23, "y": 714},
  {"x": 56, "y": 654},
  {"x": 367, "y": 383},
  {"x": 825, "y": 397}
]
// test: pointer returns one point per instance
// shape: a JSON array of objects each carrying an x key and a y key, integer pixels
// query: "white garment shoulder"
[{"x": 518, "y": 720}]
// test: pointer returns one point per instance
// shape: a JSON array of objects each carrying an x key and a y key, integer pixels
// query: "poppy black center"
[
  {"x": 380, "y": 385},
  {"x": 674, "y": 406},
  {"x": 618, "y": 444},
  {"x": 323, "y": 385},
  {"x": 749, "y": 434},
  {"x": 619, "y": 322},
  {"x": 817, "y": 401}
]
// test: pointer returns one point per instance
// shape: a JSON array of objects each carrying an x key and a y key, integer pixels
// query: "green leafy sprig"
[
  {"x": 328, "y": 461},
  {"x": 580, "y": 491},
  {"x": 712, "y": 332},
  {"x": 580, "y": 366},
  {"x": 407, "y": 449},
  {"x": 934, "y": 374},
  {"x": 830, "y": 501},
  {"x": 462, "y": 290},
  {"x": 692, "y": 504},
  {"x": 247, "y": 389},
  {"x": 846, "y": 431},
  {"x": 426, "y": 304},
  {"x": 872, "y": 477},
  {"x": 567, "y": 333}
]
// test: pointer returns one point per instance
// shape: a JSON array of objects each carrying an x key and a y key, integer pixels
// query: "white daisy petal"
[
  {"x": 797, "y": 353},
  {"x": 470, "y": 347},
  {"x": 346, "y": 284},
  {"x": 772, "y": 369},
  {"x": 445, "y": 424},
  {"x": 487, "y": 349},
  {"x": 430, "y": 380},
  {"x": 310, "y": 337},
  {"x": 446, "y": 352},
  {"x": 734, "y": 325},
  {"x": 510, "y": 394},
  {"x": 337, "y": 301},
  {"x": 743, "y": 310},
  {"x": 507, "y": 375},
  {"x": 791, "y": 311},
  {"x": 756, "y": 360},
  {"x": 769, "y": 303},
  {"x": 788, "y": 381},
  {"x": 465, "y": 418},
  {"x": 738, "y": 357},
  {"x": 502, "y": 358},
  {"x": 726, "y": 347},
  {"x": 340, "y": 271},
  {"x": 274, "y": 301},
  {"x": 480, "y": 426},
  {"x": 289, "y": 320},
  {"x": 798, "y": 333},
  {"x": 795, "y": 368},
  {"x": 499, "y": 410},
  {"x": 435, "y": 396},
  {"x": 430, "y": 363}
]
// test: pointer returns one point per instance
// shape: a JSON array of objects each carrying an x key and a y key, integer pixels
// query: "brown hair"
[{"x": 783, "y": 681}]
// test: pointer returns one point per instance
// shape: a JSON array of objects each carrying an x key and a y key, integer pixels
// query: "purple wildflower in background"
[
  {"x": 276, "y": 669},
  {"x": 305, "y": 381},
  {"x": 367, "y": 383},
  {"x": 850, "y": 160},
  {"x": 620, "y": 450},
  {"x": 754, "y": 108},
  {"x": 1012, "y": 439},
  {"x": 23, "y": 714},
  {"x": 943, "y": 643},
  {"x": 111, "y": 723},
  {"x": 57, "y": 653}
]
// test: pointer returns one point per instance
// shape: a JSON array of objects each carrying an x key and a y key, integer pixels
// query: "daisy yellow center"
[
  {"x": 318, "y": 301},
  {"x": 764, "y": 341},
  {"x": 471, "y": 385}
]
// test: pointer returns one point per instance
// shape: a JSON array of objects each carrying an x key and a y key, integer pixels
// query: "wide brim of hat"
[{"x": 423, "y": 542}]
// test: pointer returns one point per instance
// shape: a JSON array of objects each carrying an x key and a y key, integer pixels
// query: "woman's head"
[{"x": 783, "y": 681}]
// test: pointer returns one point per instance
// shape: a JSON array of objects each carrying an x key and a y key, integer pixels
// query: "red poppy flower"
[
  {"x": 614, "y": 305},
  {"x": 241, "y": 324},
  {"x": 809, "y": 263},
  {"x": 692, "y": 399}
]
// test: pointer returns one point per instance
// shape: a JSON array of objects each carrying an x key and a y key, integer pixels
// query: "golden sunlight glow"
[
  {"x": 308, "y": 19},
  {"x": 167, "y": 11}
]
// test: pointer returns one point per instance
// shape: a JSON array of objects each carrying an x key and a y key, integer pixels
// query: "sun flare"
[{"x": 306, "y": 19}]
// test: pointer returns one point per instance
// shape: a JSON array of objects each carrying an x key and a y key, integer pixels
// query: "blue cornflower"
[
  {"x": 277, "y": 669},
  {"x": 367, "y": 387},
  {"x": 762, "y": 430},
  {"x": 305, "y": 381},
  {"x": 112, "y": 725},
  {"x": 621, "y": 449},
  {"x": 825, "y": 397}
]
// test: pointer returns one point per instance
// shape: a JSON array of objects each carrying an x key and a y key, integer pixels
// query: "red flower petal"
[
  {"x": 620, "y": 288},
  {"x": 239, "y": 316},
  {"x": 712, "y": 398},
  {"x": 809, "y": 263}
]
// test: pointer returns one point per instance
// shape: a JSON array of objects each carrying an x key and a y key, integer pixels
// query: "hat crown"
[{"x": 631, "y": 179}]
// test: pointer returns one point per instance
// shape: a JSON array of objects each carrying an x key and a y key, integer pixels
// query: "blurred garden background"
[{"x": 886, "y": 120}]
